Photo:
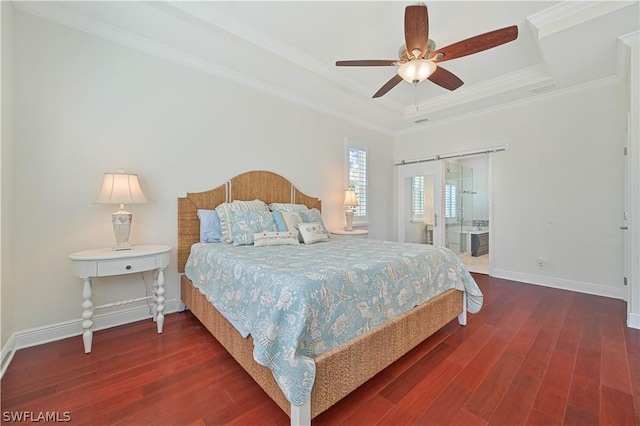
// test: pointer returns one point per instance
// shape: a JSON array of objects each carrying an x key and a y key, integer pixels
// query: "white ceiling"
[{"x": 289, "y": 49}]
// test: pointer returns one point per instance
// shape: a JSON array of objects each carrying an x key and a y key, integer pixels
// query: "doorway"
[
  {"x": 472, "y": 239},
  {"x": 466, "y": 210},
  {"x": 447, "y": 203}
]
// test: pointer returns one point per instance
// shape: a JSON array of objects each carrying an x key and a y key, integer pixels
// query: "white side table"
[
  {"x": 106, "y": 262},
  {"x": 357, "y": 233}
]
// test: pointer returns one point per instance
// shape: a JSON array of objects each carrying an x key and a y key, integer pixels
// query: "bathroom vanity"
[{"x": 479, "y": 243}]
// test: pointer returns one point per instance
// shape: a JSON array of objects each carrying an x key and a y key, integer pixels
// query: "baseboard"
[
  {"x": 562, "y": 284},
  {"x": 6, "y": 355},
  {"x": 633, "y": 321},
  {"x": 63, "y": 330}
]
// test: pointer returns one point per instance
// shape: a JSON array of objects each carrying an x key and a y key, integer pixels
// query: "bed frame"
[{"x": 338, "y": 371}]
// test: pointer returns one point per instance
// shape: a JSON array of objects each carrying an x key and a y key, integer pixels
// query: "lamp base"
[
  {"x": 121, "y": 228},
  {"x": 349, "y": 218}
]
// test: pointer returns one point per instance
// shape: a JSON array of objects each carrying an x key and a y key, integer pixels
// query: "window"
[
  {"x": 417, "y": 197},
  {"x": 358, "y": 178},
  {"x": 450, "y": 197}
]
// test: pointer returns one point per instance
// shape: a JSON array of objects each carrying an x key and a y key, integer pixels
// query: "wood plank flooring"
[{"x": 533, "y": 355}]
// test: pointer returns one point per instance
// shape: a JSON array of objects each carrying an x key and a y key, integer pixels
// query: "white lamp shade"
[
  {"x": 417, "y": 70},
  {"x": 120, "y": 188},
  {"x": 350, "y": 199}
]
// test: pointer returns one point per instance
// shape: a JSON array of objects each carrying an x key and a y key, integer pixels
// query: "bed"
[{"x": 336, "y": 370}]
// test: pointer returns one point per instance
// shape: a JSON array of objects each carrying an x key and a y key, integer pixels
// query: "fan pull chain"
[{"x": 415, "y": 98}]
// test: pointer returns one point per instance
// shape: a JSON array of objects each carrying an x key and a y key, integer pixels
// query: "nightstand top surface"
[
  {"x": 354, "y": 232},
  {"x": 109, "y": 253}
]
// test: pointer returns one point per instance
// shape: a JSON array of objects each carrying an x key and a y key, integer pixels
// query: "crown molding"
[
  {"x": 515, "y": 80},
  {"x": 631, "y": 40},
  {"x": 624, "y": 45},
  {"x": 570, "y": 13},
  {"x": 218, "y": 20},
  {"x": 60, "y": 15}
]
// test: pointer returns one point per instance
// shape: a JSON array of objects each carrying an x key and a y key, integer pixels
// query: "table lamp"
[
  {"x": 121, "y": 188},
  {"x": 350, "y": 202}
]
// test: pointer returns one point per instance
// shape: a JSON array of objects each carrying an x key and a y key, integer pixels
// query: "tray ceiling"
[{"x": 289, "y": 49}]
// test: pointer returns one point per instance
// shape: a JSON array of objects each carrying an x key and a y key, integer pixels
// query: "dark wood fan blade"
[
  {"x": 445, "y": 79},
  {"x": 388, "y": 86},
  {"x": 475, "y": 44},
  {"x": 416, "y": 29},
  {"x": 369, "y": 63}
]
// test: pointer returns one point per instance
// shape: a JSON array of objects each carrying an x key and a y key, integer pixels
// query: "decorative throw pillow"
[
  {"x": 210, "y": 230},
  {"x": 312, "y": 216},
  {"x": 275, "y": 239},
  {"x": 312, "y": 232},
  {"x": 224, "y": 212},
  {"x": 287, "y": 221},
  {"x": 288, "y": 207},
  {"x": 245, "y": 224}
]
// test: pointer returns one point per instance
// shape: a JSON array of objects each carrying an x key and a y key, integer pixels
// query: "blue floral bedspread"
[{"x": 299, "y": 301}]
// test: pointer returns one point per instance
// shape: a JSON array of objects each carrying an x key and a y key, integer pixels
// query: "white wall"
[
  {"x": 557, "y": 192},
  {"x": 85, "y": 106}
]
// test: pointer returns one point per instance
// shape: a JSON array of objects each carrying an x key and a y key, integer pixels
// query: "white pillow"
[
  {"x": 224, "y": 213},
  {"x": 314, "y": 215},
  {"x": 312, "y": 232},
  {"x": 288, "y": 207},
  {"x": 275, "y": 239},
  {"x": 249, "y": 206}
]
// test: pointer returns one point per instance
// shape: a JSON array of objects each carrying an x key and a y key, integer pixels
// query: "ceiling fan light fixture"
[{"x": 417, "y": 70}]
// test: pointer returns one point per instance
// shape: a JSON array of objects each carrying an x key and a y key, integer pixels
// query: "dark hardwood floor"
[{"x": 533, "y": 355}]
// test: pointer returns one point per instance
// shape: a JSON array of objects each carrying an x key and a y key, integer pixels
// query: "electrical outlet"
[{"x": 540, "y": 262}]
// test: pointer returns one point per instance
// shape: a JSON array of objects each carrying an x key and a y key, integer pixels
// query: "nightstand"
[
  {"x": 106, "y": 262},
  {"x": 356, "y": 233}
]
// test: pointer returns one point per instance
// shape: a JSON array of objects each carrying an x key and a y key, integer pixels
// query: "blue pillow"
[
  {"x": 210, "y": 229},
  {"x": 245, "y": 224}
]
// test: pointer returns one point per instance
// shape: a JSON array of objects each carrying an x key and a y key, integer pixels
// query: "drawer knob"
[{"x": 128, "y": 267}]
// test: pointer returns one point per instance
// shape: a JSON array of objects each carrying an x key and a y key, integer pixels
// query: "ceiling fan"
[{"x": 418, "y": 60}]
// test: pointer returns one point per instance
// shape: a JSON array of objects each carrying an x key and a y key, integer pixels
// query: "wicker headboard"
[{"x": 266, "y": 186}]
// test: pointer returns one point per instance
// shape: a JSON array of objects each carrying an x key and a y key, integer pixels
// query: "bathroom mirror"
[{"x": 420, "y": 203}]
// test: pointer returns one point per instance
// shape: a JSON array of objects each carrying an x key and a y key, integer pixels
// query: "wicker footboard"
[{"x": 343, "y": 369}]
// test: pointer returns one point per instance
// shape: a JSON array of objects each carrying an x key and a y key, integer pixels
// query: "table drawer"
[{"x": 126, "y": 266}]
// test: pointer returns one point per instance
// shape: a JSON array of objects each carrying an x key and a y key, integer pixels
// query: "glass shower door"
[{"x": 458, "y": 206}]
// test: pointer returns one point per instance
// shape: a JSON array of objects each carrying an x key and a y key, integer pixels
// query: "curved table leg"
[{"x": 159, "y": 296}]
